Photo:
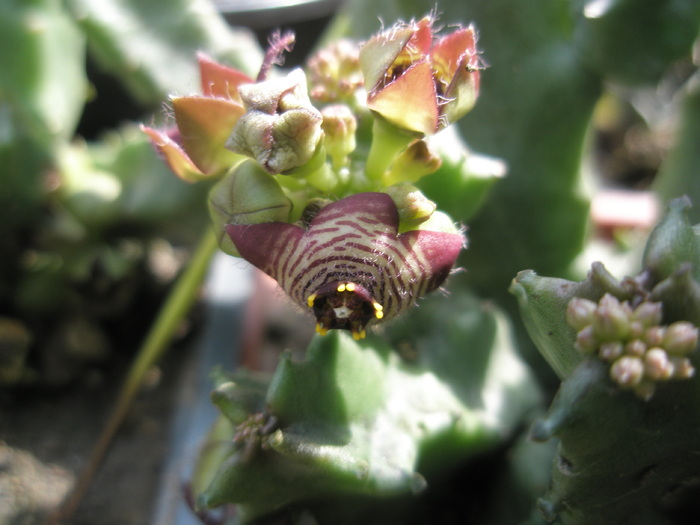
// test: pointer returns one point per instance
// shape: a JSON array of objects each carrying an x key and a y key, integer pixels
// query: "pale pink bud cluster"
[{"x": 640, "y": 350}]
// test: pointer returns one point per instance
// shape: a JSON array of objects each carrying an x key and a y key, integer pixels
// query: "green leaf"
[
  {"x": 42, "y": 90},
  {"x": 354, "y": 419},
  {"x": 121, "y": 180},
  {"x": 42, "y": 77}
]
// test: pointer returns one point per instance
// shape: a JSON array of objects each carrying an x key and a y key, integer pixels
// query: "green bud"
[
  {"x": 657, "y": 365},
  {"x": 648, "y": 313},
  {"x": 610, "y": 351},
  {"x": 579, "y": 312},
  {"x": 654, "y": 336},
  {"x": 339, "y": 126},
  {"x": 680, "y": 338},
  {"x": 334, "y": 72},
  {"x": 611, "y": 319},
  {"x": 636, "y": 347},
  {"x": 281, "y": 129},
  {"x": 586, "y": 340},
  {"x": 246, "y": 195},
  {"x": 413, "y": 163},
  {"x": 440, "y": 222},
  {"x": 627, "y": 371},
  {"x": 637, "y": 329},
  {"x": 682, "y": 368},
  {"x": 414, "y": 208}
]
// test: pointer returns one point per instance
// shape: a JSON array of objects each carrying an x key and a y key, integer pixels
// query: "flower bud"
[
  {"x": 334, "y": 72},
  {"x": 610, "y": 351},
  {"x": 611, "y": 319},
  {"x": 680, "y": 338},
  {"x": 627, "y": 371},
  {"x": 194, "y": 150},
  {"x": 281, "y": 129},
  {"x": 416, "y": 161},
  {"x": 682, "y": 368},
  {"x": 648, "y": 313},
  {"x": 413, "y": 207},
  {"x": 635, "y": 347},
  {"x": 586, "y": 340},
  {"x": 247, "y": 195},
  {"x": 656, "y": 364},
  {"x": 579, "y": 312},
  {"x": 654, "y": 336},
  {"x": 339, "y": 126}
]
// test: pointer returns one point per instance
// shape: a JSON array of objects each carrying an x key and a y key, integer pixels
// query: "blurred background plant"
[
  {"x": 579, "y": 98},
  {"x": 93, "y": 225}
]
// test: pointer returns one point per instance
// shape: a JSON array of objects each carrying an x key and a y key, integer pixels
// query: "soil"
[{"x": 46, "y": 439}]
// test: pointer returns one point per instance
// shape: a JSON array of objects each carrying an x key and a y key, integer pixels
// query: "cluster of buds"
[
  {"x": 376, "y": 245},
  {"x": 334, "y": 72},
  {"x": 640, "y": 350}
]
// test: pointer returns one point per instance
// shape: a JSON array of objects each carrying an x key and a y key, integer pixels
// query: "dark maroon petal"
[{"x": 262, "y": 245}]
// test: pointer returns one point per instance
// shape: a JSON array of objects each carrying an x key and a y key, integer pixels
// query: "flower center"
[{"x": 344, "y": 305}]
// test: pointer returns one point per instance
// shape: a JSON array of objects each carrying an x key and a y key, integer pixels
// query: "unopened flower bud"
[
  {"x": 579, "y": 312},
  {"x": 247, "y": 195},
  {"x": 413, "y": 207},
  {"x": 657, "y": 365},
  {"x": 680, "y": 338},
  {"x": 610, "y": 351},
  {"x": 440, "y": 222},
  {"x": 636, "y": 330},
  {"x": 682, "y": 368},
  {"x": 339, "y": 126},
  {"x": 281, "y": 129},
  {"x": 334, "y": 72},
  {"x": 627, "y": 371},
  {"x": 416, "y": 161},
  {"x": 654, "y": 336},
  {"x": 648, "y": 313},
  {"x": 586, "y": 340},
  {"x": 611, "y": 319},
  {"x": 635, "y": 347}
]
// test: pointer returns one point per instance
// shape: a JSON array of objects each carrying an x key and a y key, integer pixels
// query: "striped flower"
[{"x": 350, "y": 266}]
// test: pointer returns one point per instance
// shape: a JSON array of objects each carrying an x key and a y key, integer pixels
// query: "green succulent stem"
[
  {"x": 178, "y": 303},
  {"x": 387, "y": 143}
]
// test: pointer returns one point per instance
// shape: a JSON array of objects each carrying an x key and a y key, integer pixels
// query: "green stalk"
[
  {"x": 387, "y": 143},
  {"x": 178, "y": 303}
]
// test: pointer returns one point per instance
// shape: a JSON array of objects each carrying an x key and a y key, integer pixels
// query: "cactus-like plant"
[
  {"x": 625, "y": 415},
  {"x": 348, "y": 201}
]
